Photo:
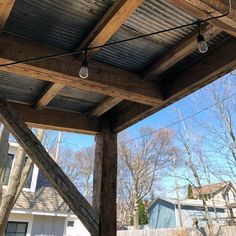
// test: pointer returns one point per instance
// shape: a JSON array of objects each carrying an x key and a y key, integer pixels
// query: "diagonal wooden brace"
[{"x": 59, "y": 180}]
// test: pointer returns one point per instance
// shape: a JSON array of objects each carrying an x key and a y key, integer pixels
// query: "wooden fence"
[{"x": 219, "y": 231}]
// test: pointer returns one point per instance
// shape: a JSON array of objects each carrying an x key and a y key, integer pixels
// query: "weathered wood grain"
[
  {"x": 104, "y": 106},
  {"x": 205, "y": 9},
  {"x": 103, "y": 78},
  {"x": 25, "y": 137},
  {"x": 5, "y": 10},
  {"x": 184, "y": 48},
  {"x": 105, "y": 178},
  {"x": 56, "y": 120},
  {"x": 210, "y": 67}
]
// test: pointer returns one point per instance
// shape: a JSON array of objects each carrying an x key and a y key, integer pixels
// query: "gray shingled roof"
[{"x": 45, "y": 198}]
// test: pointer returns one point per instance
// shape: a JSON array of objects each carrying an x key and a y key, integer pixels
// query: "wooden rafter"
[
  {"x": 59, "y": 180},
  {"x": 110, "y": 23},
  {"x": 104, "y": 106},
  {"x": 209, "y": 68},
  {"x": 179, "y": 52},
  {"x": 5, "y": 10},
  {"x": 56, "y": 120},
  {"x": 204, "y": 9},
  {"x": 49, "y": 93},
  {"x": 101, "y": 33},
  {"x": 104, "y": 79}
]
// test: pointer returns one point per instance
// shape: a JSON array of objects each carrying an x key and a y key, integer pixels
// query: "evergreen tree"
[
  {"x": 143, "y": 218},
  {"x": 190, "y": 192}
]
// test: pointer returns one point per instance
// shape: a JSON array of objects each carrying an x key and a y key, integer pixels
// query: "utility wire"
[
  {"x": 169, "y": 125},
  {"x": 197, "y": 23},
  {"x": 183, "y": 119}
]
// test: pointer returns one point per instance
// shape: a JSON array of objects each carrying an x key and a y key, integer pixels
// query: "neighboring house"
[
  {"x": 219, "y": 193},
  {"x": 223, "y": 192},
  {"x": 40, "y": 210},
  {"x": 163, "y": 213}
]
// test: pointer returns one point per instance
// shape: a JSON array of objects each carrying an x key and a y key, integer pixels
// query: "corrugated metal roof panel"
[
  {"x": 65, "y": 23},
  {"x": 159, "y": 15},
  {"x": 130, "y": 56},
  {"x": 19, "y": 88},
  {"x": 71, "y": 99},
  {"x": 59, "y": 23},
  {"x": 150, "y": 17},
  {"x": 70, "y": 104},
  {"x": 193, "y": 57},
  {"x": 81, "y": 95}
]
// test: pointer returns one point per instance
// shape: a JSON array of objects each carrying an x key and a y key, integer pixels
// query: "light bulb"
[
  {"x": 83, "y": 72},
  {"x": 202, "y": 45}
]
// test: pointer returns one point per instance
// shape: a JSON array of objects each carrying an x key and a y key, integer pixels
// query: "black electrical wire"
[{"x": 199, "y": 22}]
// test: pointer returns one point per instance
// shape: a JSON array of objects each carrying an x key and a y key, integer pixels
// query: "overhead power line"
[{"x": 183, "y": 119}]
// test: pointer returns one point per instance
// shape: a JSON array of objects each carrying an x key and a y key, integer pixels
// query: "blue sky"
[
  {"x": 189, "y": 105},
  {"x": 158, "y": 120}
]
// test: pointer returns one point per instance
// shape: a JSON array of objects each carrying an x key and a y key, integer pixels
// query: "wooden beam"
[
  {"x": 104, "y": 106},
  {"x": 105, "y": 178},
  {"x": 59, "y": 180},
  {"x": 204, "y": 9},
  {"x": 104, "y": 79},
  {"x": 210, "y": 67},
  {"x": 56, "y": 120},
  {"x": 110, "y": 23},
  {"x": 46, "y": 97},
  {"x": 179, "y": 52},
  {"x": 5, "y": 10},
  {"x": 101, "y": 33}
]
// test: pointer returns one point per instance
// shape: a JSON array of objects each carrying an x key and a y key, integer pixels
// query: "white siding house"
[
  {"x": 219, "y": 193},
  {"x": 39, "y": 210}
]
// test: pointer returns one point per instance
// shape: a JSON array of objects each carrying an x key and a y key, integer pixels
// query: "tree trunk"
[
  {"x": 4, "y": 146},
  {"x": 177, "y": 195},
  {"x": 197, "y": 178},
  {"x": 136, "y": 215},
  {"x": 17, "y": 180},
  {"x": 208, "y": 219},
  {"x": 8, "y": 197}
]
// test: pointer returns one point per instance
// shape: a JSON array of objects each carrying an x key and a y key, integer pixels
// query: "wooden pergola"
[{"x": 126, "y": 83}]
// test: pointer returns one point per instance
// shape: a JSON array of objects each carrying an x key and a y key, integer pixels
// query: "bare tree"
[
  {"x": 139, "y": 162},
  {"x": 220, "y": 127},
  {"x": 19, "y": 174},
  {"x": 79, "y": 168},
  {"x": 189, "y": 144}
]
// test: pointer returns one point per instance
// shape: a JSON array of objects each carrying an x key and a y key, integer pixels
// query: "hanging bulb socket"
[
  {"x": 201, "y": 43},
  {"x": 83, "y": 73}
]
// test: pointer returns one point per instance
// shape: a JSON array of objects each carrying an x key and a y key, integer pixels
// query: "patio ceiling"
[{"x": 127, "y": 82}]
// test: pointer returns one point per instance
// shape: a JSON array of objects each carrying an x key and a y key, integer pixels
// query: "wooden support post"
[
  {"x": 59, "y": 180},
  {"x": 105, "y": 179}
]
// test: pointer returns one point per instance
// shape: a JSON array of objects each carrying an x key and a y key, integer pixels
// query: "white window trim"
[
  {"x": 34, "y": 178},
  {"x": 29, "y": 220}
]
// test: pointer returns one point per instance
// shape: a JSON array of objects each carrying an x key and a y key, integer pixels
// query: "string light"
[
  {"x": 83, "y": 72},
  {"x": 202, "y": 46},
  {"x": 201, "y": 43}
]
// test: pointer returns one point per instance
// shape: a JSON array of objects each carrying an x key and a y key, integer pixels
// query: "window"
[
  {"x": 8, "y": 169},
  {"x": 227, "y": 197},
  {"x": 70, "y": 223},
  {"x": 8, "y": 172},
  {"x": 29, "y": 179},
  {"x": 16, "y": 228}
]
